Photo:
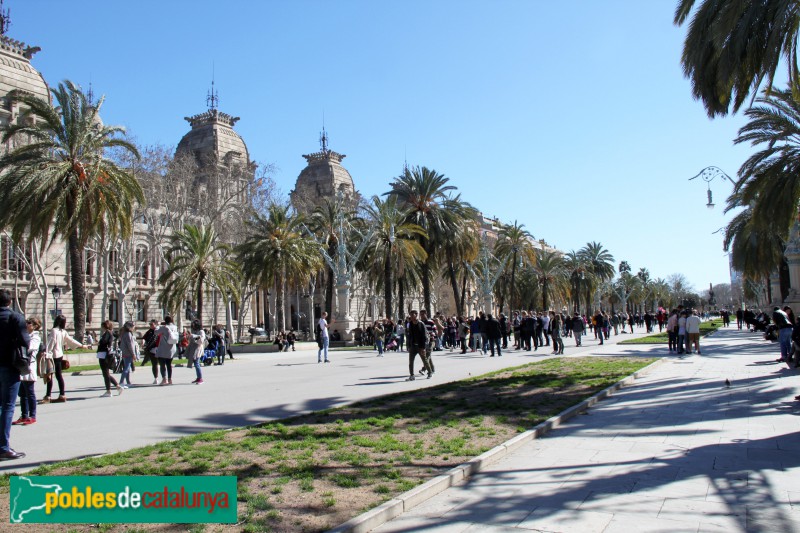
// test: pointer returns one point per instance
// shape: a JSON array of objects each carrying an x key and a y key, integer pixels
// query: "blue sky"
[{"x": 573, "y": 118}]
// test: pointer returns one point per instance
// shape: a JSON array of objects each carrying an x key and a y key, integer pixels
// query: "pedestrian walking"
[
  {"x": 494, "y": 334},
  {"x": 693, "y": 332},
  {"x": 785, "y": 326},
  {"x": 55, "y": 345},
  {"x": 167, "y": 348},
  {"x": 417, "y": 337},
  {"x": 555, "y": 333},
  {"x": 13, "y": 335},
  {"x": 194, "y": 351},
  {"x": 149, "y": 344},
  {"x": 104, "y": 345},
  {"x": 578, "y": 328},
  {"x": 27, "y": 384},
  {"x": 129, "y": 351},
  {"x": 323, "y": 339},
  {"x": 377, "y": 330}
]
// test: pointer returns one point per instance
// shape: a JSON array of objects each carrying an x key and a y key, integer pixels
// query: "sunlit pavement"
[
  {"x": 250, "y": 389},
  {"x": 676, "y": 451}
]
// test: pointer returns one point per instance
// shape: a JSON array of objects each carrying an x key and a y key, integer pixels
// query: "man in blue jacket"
[{"x": 13, "y": 333}]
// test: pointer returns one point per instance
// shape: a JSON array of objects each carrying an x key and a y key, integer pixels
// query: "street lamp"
[
  {"x": 56, "y": 295},
  {"x": 708, "y": 175}
]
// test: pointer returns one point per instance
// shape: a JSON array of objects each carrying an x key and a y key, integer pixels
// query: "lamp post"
[
  {"x": 56, "y": 295},
  {"x": 708, "y": 175}
]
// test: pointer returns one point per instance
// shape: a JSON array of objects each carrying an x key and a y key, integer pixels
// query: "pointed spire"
[
  {"x": 5, "y": 19},
  {"x": 405, "y": 160},
  {"x": 212, "y": 98},
  {"x": 323, "y": 137},
  {"x": 89, "y": 93}
]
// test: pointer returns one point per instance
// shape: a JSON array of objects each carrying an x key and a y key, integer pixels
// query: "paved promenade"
[
  {"x": 677, "y": 451},
  {"x": 251, "y": 389}
]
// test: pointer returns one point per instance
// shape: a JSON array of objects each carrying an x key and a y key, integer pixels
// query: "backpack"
[
  {"x": 184, "y": 342},
  {"x": 173, "y": 336}
]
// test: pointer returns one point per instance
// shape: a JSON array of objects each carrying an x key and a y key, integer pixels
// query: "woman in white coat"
[{"x": 55, "y": 345}]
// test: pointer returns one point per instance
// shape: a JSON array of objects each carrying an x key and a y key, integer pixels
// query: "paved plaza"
[
  {"x": 252, "y": 388},
  {"x": 677, "y": 451}
]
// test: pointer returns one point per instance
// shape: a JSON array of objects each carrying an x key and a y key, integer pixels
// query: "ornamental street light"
[
  {"x": 708, "y": 175},
  {"x": 56, "y": 295}
]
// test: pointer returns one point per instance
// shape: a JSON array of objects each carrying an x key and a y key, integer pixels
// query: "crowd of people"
[{"x": 117, "y": 351}]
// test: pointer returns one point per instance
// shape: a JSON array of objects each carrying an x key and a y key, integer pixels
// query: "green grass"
[
  {"x": 663, "y": 338},
  {"x": 363, "y": 454}
]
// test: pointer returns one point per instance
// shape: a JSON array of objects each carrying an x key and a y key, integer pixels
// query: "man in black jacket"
[
  {"x": 417, "y": 337},
  {"x": 494, "y": 333},
  {"x": 13, "y": 333}
]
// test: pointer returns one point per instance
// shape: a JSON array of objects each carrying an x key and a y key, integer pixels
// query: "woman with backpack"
[
  {"x": 167, "y": 340},
  {"x": 197, "y": 343},
  {"x": 105, "y": 345}
]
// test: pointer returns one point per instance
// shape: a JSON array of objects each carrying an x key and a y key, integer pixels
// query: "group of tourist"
[{"x": 160, "y": 344}]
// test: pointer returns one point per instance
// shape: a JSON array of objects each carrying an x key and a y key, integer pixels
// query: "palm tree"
[
  {"x": 276, "y": 251},
  {"x": 424, "y": 193},
  {"x": 196, "y": 259},
  {"x": 600, "y": 265},
  {"x": 513, "y": 241},
  {"x": 732, "y": 47},
  {"x": 460, "y": 248},
  {"x": 57, "y": 182},
  {"x": 393, "y": 237},
  {"x": 769, "y": 180},
  {"x": 549, "y": 269},
  {"x": 575, "y": 266}
]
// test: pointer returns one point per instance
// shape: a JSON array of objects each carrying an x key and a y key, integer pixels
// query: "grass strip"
[
  {"x": 706, "y": 328},
  {"x": 312, "y": 472}
]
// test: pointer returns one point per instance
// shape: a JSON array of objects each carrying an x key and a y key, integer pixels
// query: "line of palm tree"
[
  {"x": 733, "y": 47},
  {"x": 57, "y": 182},
  {"x": 275, "y": 251},
  {"x": 394, "y": 239},
  {"x": 196, "y": 260}
]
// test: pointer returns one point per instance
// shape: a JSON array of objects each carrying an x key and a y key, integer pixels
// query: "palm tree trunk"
[
  {"x": 200, "y": 281},
  {"x": 453, "y": 280},
  {"x": 544, "y": 296},
  {"x": 387, "y": 284},
  {"x": 401, "y": 301},
  {"x": 78, "y": 284},
  {"x": 512, "y": 287},
  {"x": 282, "y": 294},
  {"x": 426, "y": 286},
  {"x": 461, "y": 303}
]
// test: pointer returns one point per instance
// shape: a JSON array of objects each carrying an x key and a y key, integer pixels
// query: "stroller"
[
  {"x": 771, "y": 333},
  {"x": 114, "y": 360},
  {"x": 208, "y": 355},
  {"x": 391, "y": 343}
]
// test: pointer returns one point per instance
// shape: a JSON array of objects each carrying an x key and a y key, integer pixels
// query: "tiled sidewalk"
[{"x": 677, "y": 451}]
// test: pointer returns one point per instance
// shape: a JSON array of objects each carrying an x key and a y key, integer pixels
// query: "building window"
[
  {"x": 234, "y": 311},
  {"x": 142, "y": 263},
  {"x": 113, "y": 310},
  {"x": 141, "y": 316},
  {"x": 88, "y": 311},
  {"x": 90, "y": 263}
]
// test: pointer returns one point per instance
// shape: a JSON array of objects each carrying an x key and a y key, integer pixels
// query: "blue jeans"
[
  {"x": 323, "y": 348},
  {"x": 9, "y": 389},
  {"x": 495, "y": 343},
  {"x": 126, "y": 370},
  {"x": 378, "y": 345},
  {"x": 785, "y": 340},
  {"x": 197, "y": 369}
]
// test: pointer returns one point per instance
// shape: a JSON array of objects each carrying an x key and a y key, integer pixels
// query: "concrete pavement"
[
  {"x": 251, "y": 389},
  {"x": 677, "y": 451}
]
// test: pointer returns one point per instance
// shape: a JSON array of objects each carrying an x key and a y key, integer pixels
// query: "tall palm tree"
[
  {"x": 276, "y": 251},
  {"x": 733, "y": 47},
  {"x": 424, "y": 193},
  {"x": 57, "y": 182},
  {"x": 460, "y": 250},
  {"x": 600, "y": 265},
  {"x": 394, "y": 236},
  {"x": 769, "y": 180},
  {"x": 550, "y": 272},
  {"x": 513, "y": 242},
  {"x": 576, "y": 269},
  {"x": 196, "y": 260}
]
